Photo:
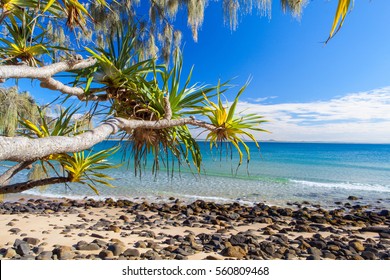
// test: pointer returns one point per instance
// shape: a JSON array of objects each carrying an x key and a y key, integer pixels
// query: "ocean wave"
[{"x": 344, "y": 185}]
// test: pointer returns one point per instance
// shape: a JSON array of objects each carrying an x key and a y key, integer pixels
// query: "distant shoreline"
[{"x": 283, "y": 142}]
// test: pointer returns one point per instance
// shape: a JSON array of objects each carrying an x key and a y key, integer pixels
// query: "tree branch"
[
  {"x": 23, "y": 71},
  {"x": 20, "y": 187},
  {"x": 24, "y": 149},
  {"x": 6, "y": 177},
  {"x": 53, "y": 84}
]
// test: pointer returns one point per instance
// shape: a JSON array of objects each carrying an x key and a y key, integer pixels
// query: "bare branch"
[
  {"x": 23, "y": 71},
  {"x": 6, "y": 177},
  {"x": 53, "y": 84},
  {"x": 20, "y": 187},
  {"x": 24, "y": 149}
]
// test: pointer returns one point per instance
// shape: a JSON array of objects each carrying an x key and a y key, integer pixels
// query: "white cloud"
[{"x": 356, "y": 117}]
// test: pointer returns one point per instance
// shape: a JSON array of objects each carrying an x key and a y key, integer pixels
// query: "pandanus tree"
[{"x": 142, "y": 91}]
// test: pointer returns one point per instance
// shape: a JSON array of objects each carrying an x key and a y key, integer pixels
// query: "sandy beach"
[{"x": 45, "y": 229}]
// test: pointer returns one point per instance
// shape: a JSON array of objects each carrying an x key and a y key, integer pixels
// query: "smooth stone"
[
  {"x": 314, "y": 251},
  {"x": 32, "y": 240},
  {"x": 88, "y": 247},
  {"x": 106, "y": 254},
  {"x": 9, "y": 253},
  {"x": 15, "y": 230},
  {"x": 95, "y": 235},
  {"x": 237, "y": 239},
  {"x": 313, "y": 257},
  {"x": 234, "y": 252},
  {"x": 116, "y": 249},
  {"x": 45, "y": 255},
  {"x": 64, "y": 252},
  {"x": 131, "y": 253},
  {"x": 368, "y": 255},
  {"x": 384, "y": 235},
  {"x": 357, "y": 245}
]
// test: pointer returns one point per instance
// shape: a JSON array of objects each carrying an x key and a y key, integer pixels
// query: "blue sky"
[{"x": 309, "y": 91}]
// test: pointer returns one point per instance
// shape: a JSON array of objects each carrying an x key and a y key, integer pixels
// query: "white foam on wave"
[{"x": 345, "y": 185}]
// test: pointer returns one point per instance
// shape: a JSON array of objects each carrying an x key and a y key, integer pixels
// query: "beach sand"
[{"x": 70, "y": 229}]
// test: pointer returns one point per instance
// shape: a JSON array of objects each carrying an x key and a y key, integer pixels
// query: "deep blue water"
[{"x": 278, "y": 173}]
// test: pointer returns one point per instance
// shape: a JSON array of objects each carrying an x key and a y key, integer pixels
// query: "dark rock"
[
  {"x": 64, "y": 253},
  {"x": 88, "y": 247},
  {"x": 267, "y": 247},
  {"x": 314, "y": 251},
  {"x": 368, "y": 255},
  {"x": 320, "y": 244},
  {"x": 45, "y": 255},
  {"x": 99, "y": 242},
  {"x": 38, "y": 250},
  {"x": 114, "y": 228},
  {"x": 357, "y": 245},
  {"x": 9, "y": 253},
  {"x": 385, "y": 213},
  {"x": 313, "y": 257},
  {"x": 106, "y": 254},
  {"x": 182, "y": 252},
  {"x": 131, "y": 253},
  {"x": 15, "y": 230},
  {"x": 116, "y": 249},
  {"x": 151, "y": 255},
  {"x": 351, "y": 197},
  {"x": 23, "y": 249},
  {"x": 124, "y": 218},
  {"x": 384, "y": 235},
  {"x": 140, "y": 244},
  {"x": 238, "y": 239},
  {"x": 31, "y": 240},
  {"x": 376, "y": 229},
  {"x": 329, "y": 255},
  {"x": 95, "y": 235},
  {"x": 181, "y": 257},
  {"x": 212, "y": 258}
]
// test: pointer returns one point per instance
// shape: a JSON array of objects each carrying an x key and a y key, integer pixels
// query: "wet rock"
[{"x": 351, "y": 197}]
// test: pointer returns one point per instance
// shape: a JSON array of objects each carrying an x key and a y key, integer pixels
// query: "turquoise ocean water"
[{"x": 278, "y": 173}]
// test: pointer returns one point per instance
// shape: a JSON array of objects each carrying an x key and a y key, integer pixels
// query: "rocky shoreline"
[{"x": 38, "y": 229}]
